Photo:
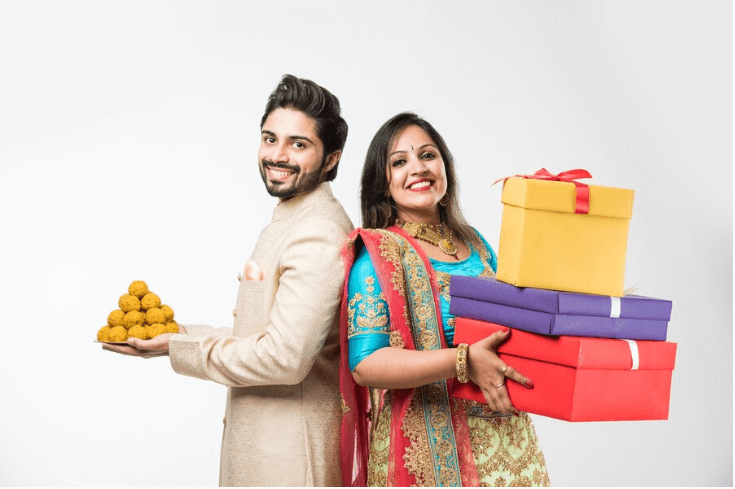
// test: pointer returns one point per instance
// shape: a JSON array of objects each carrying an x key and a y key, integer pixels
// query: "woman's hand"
[{"x": 489, "y": 372}]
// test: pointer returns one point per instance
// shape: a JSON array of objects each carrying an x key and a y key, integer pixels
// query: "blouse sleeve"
[{"x": 367, "y": 311}]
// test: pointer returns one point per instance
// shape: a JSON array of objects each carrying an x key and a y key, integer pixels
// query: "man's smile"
[{"x": 277, "y": 172}]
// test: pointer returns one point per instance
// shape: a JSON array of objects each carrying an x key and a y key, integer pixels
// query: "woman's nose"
[{"x": 418, "y": 166}]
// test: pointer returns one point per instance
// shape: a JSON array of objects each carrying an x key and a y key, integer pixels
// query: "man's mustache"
[{"x": 272, "y": 164}]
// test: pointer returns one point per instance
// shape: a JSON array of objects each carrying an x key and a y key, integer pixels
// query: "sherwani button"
[
  {"x": 234, "y": 312},
  {"x": 239, "y": 277}
]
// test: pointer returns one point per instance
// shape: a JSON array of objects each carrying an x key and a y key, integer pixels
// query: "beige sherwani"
[{"x": 280, "y": 359}]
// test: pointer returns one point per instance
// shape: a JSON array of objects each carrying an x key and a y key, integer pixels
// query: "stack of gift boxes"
[{"x": 592, "y": 352}]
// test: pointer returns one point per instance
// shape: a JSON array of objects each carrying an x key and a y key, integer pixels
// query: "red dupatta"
[{"x": 390, "y": 250}]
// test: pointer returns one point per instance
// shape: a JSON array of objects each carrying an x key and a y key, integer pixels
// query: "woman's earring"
[{"x": 444, "y": 201}]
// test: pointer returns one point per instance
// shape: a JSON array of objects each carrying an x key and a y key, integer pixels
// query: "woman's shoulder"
[
  {"x": 362, "y": 266},
  {"x": 481, "y": 238}
]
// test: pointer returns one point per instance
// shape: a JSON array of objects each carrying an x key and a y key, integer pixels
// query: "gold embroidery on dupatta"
[
  {"x": 443, "y": 279},
  {"x": 431, "y": 454},
  {"x": 345, "y": 407},
  {"x": 396, "y": 340},
  {"x": 380, "y": 448},
  {"x": 438, "y": 454},
  {"x": 390, "y": 249},
  {"x": 418, "y": 458}
]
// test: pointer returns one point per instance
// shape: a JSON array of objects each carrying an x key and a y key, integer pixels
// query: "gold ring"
[
  {"x": 504, "y": 369},
  {"x": 500, "y": 385}
]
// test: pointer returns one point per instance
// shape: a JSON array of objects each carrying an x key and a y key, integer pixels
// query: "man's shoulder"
[{"x": 326, "y": 210}]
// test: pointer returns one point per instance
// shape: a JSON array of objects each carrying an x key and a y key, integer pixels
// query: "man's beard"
[{"x": 298, "y": 184}]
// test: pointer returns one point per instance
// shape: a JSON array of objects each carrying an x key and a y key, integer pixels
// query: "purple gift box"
[{"x": 550, "y": 312}]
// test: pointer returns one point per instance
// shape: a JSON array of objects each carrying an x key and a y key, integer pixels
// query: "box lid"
[
  {"x": 557, "y": 196},
  {"x": 488, "y": 289},
  {"x": 573, "y": 351}
]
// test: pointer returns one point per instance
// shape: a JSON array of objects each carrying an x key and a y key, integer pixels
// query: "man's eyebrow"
[
  {"x": 294, "y": 137},
  {"x": 297, "y": 137},
  {"x": 420, "y": 147}
]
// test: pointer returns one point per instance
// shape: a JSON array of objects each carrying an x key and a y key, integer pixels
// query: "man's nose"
[{"x": 279, "y": 154}]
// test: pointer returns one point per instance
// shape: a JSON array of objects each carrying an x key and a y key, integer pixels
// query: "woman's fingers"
[
  {"x": 506, "y": 407},
  {"x": 514, "y": 374},
  {"x": 492, "y": 341},
  {"x": 492, "y": 399},
  {"x": 497, "y": 399}
]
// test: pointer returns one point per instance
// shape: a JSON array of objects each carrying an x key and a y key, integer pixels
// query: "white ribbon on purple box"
[{"x": 614, "y": 307}]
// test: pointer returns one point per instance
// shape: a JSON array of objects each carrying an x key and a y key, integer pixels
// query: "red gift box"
[{"x": 577, "y": 378}]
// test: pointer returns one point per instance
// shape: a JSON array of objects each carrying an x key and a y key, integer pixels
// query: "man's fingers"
[{"x": 124, "y": 349}]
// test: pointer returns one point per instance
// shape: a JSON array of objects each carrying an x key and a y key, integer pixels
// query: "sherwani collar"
[{"x": 295, "y": 204}]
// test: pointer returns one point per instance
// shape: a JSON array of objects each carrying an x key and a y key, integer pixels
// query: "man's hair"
[{"x": 317, "y": 103}]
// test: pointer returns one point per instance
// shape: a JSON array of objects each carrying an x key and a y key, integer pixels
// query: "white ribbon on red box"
[{"x": 633, "y": 353}]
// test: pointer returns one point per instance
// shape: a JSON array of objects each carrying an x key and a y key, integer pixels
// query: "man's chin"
[
  {"x": 280, "y": 190},
  {"x": 284, "y": 190}
]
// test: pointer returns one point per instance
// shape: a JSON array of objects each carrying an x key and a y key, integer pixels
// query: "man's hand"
[{"x": 136, "y": 347}]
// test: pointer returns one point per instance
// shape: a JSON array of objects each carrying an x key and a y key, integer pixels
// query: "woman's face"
[{"x": 416, "y": 175}]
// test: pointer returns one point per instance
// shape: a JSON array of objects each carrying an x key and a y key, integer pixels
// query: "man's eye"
[
  {"x": 269, "y": 139},
  {"x": 299, "y": 144}
]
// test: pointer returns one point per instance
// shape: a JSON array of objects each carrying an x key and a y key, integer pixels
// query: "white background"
[{"x": 128, "y": 141}]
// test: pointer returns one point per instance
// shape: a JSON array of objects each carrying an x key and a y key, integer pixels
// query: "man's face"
[{"x": 291, "y": 155}]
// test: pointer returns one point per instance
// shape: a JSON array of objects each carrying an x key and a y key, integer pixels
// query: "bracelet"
[{"x": 462, "y": 374}]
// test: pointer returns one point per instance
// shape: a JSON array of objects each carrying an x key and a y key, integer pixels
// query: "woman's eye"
[
  {"x": 398, "y": 162},
  {"x": 428, "y": 156}
]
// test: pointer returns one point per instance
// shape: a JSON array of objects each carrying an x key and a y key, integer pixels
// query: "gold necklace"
[{"x": 437, "y": 234}]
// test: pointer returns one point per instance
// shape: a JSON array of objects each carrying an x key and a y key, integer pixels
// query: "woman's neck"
[{"x": 420, "y": 217}]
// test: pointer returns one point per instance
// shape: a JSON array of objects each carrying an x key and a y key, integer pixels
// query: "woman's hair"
[{"x": 379, "y": 211}]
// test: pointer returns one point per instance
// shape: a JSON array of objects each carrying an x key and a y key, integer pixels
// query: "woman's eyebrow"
[{"x": 406, "y": 151}]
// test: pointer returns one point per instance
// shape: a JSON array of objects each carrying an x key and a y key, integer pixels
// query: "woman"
[{"x": 398, "y": 360}]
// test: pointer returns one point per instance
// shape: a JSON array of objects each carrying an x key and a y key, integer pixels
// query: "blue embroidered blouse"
[{"x": 368, "y": 316}]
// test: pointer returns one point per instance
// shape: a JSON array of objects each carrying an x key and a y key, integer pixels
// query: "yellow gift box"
[{"x": 546, "y": 245}]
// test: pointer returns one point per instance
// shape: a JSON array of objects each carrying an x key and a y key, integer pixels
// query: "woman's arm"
[{"x": 396, "y": 368}]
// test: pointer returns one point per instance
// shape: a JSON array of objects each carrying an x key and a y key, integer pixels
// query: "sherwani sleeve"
[
  {"x": 303, "y": 311},
  {"x": 193, "y": 330}
]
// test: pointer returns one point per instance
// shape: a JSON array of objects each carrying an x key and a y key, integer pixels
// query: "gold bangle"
[{"x": 462, "y": 374}]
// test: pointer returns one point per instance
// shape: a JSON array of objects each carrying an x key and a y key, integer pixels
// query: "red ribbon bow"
[{"x": 582, "y": 200}]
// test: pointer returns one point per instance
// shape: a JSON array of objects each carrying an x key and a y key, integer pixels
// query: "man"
[{"x": 280, "y": 358}]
